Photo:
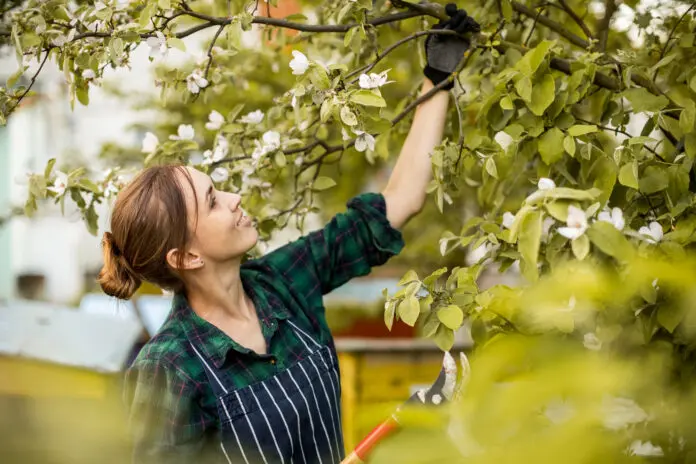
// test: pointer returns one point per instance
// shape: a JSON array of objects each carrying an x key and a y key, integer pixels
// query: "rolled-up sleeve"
[{"x": 351, "y": 244}]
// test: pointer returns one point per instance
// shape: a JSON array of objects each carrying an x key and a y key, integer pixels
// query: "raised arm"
[{"x": 405, "y": 191}]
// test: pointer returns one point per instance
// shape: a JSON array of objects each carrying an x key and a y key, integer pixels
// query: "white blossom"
[
  {"x": 158, "y": 45},
  {"x": 255, "y": 117},
  {"x": 111, "y": 189},
  {"x": 621, "y": 412},
  {"x": 591, "y": 342},
  {"x": 614, "y": 217},
  {"x": 641, "y": 448},
  {"x": 150, "y": 142},
  {"x": 373, "y": 81},
  {"x": 215, "y": 121},
  {"x": 271, "y": 140},
  {"x": 345, "y": 134},
  {"x": 219, "y": 175},
  {"x": 364, "y": 141},
  {"x": 299, "y": 63},
  {"x": 576, "y": 223},
  {"x": 89, "y": 198},
  {"x": 88, "y": 74},
  {"x": 60, "y": 183},
  {"x": 184, "y": 132},
  {"x": 195, "y": 81},
  {"x": 652, "y": 232},
  {"x": 545, "y": 184},
  {"x": 559, "y": 411},
  {"x": 508, "y": 219}
]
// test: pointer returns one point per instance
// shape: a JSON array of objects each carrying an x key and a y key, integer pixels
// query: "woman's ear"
[{"x": 191, "y": 260}]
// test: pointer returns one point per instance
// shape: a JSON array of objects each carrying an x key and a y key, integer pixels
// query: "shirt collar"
[{"x": 213, "y": 342}]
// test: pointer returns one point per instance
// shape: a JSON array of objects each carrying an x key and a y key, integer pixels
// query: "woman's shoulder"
[{"x": 167, "y": 351}]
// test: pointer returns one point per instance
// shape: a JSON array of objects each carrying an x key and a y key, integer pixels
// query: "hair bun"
[{"x": 116, "y": 277}]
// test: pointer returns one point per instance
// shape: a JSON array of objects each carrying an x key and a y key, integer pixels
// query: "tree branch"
[
  {"x": 210, "y": 51},
  {"x": 386, "y": 51},
  {"x": 551, "y": 24},
  {"x": 578, "y": 20},
  {"x": 610, "y": 8},
  {"x": 31, "y": 83}
]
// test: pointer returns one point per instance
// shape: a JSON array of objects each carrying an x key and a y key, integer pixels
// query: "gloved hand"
[{"x": 444, "y": 52}]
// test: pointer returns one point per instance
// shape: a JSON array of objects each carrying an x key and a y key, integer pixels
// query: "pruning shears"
[{"x": 447, "y": 387}]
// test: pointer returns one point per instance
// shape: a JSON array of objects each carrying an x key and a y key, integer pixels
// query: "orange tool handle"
[{"x": 360, "y": 453}]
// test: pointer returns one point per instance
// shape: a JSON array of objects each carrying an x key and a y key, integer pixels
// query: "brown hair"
[{"x": 149, "y": 218}]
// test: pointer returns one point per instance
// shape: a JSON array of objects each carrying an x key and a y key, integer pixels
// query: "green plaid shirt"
[{"x": 172, "y": 407}]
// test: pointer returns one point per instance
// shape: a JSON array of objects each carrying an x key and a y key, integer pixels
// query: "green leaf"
[
  {"x": 82, "y": 94},
  {"x": 452, "y": 316},
  {"x": 581, "y": 247},
  {"x": 432, "y": 278},
  {"x": 642, "y": 100},
  {"x": 326, "y": 110},
  {"x": 280, "y": 159},
  {"x": 524, "y": 88},
  {"x": 569, "y": 144},
  {"x": 506, "y": 9},
  {"x": 444, "y": 338},
  {"x": 49, "y": 168},
  {"x": 543, "y": 94},
  {"x": 176, "y": 43},
  {"x": 551, "y": 145},
  {"x": 491, "y": 167},
  {"x": 558, "y": 210},
  {"x": 506, "y": 103},
  {"x": 348, "y": 117},
  {"x": 164, "y": 4},
  {"x": 368, "y": 98},
  {"x": 318, "y": 76},
  {"x": 389, "y": 310},
  {"x": 581, "y": 129},
  {"x": 690, "y": 145},
  {"x": 609, "y": 240},
  {"x": 409, "y": 309},
  {"x": 296, "y": 17},
  {"x": 14, "y": 77},
  {"x": 409, "y": 277},
  {"x": 532, "y": 59},
  {"x": 562, "y": 193},
  {"x": 669, "y": 316},
  {"x": 529, "y": 241},
  {"x": 628, "y": 175},
  {"x": 432, "y": 323},
  {"x": 323, "y": 183},
  {"x": 654, "y": 179}
]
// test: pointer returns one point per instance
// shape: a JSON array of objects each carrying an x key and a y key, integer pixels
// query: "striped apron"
[{"x": 292, "y": 417}]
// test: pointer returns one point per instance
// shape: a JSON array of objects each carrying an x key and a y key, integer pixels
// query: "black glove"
[{"x": 444, "y": 52}]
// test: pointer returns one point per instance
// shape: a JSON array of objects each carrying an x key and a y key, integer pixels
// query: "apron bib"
[{"x": 291, "y": 417}]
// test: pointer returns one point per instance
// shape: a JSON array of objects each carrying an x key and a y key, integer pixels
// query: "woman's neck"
[{"x": 219, "y": 293}]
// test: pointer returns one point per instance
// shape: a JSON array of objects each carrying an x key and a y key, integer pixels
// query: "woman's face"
[{"x": 220, "y": 229}]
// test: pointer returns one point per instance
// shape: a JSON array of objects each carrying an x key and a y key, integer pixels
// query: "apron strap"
[{"x": 215, "y": 382}]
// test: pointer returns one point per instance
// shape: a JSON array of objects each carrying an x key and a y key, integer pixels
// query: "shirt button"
[{"x": 273, "y": 361}]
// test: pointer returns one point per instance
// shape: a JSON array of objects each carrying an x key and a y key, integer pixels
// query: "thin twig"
[
  {"x": 210, "y": 51},
  {"x": 531, "y": 31},
  {"x": 616, "y": 130},
  {"x": 576, "y": 18},
  {"x": 664, "y": 50},
  {"x": 31, "y": 83},
  {"x": 383, "y": 54}
]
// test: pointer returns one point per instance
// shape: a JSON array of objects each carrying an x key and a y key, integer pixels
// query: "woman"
[{"x": 244, "y": 369}]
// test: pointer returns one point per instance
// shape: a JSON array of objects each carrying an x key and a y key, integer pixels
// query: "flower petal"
[{"x": 571, "y": 232}]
